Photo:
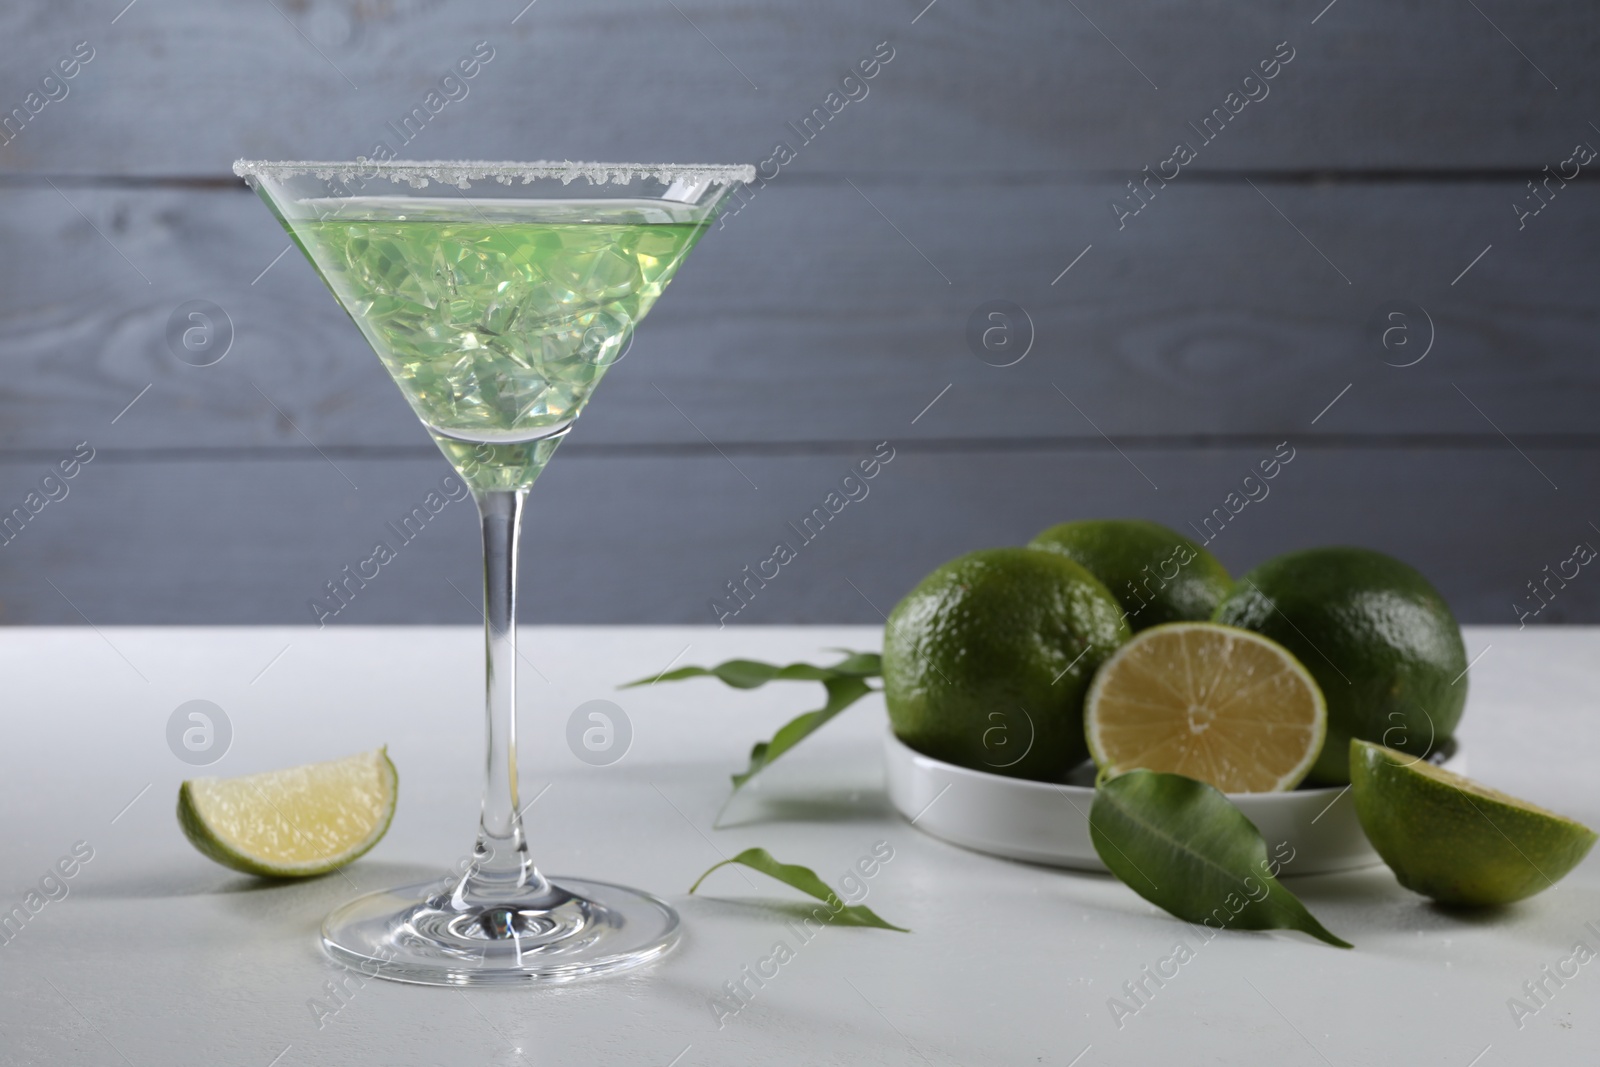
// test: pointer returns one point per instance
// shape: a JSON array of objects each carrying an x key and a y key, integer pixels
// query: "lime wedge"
[
  {"x": 1449, "y": 838},
  {"x": 292, "y": 823},
  {"x": 1223, "y": 705}
]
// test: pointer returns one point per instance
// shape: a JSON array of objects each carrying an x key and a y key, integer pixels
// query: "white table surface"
[{"x": 158, "y": 956}]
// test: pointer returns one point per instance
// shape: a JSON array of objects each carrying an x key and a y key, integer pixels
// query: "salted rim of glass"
[{"x": 462, "y": 173}]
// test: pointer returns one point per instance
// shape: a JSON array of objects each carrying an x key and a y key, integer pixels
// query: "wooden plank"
[
  {"x": 639, "y": 539},
  {"x": 808, "y": 318},
  {"x": 981, "y": 87}
]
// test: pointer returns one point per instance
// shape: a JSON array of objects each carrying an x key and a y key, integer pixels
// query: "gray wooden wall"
[{"x": 1251, "y": 293}]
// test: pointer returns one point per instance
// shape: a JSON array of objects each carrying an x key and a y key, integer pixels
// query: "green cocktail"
[{"x": 496, "y": 328}]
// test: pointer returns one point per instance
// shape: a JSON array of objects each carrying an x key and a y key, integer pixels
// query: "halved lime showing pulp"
[{"x": 1212, "y": 702}]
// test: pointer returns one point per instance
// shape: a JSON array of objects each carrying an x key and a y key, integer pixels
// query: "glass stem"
[{"x": 500, "y": 862}]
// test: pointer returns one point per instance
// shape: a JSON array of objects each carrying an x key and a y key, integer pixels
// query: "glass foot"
[{"x": 429, "y": 936}]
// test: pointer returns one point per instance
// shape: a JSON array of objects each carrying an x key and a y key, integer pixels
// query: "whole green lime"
[
  {"x": 1379, "y": 639},
  {"x": 987, "y": 661},
  {"x": 1157, "y": 575}
]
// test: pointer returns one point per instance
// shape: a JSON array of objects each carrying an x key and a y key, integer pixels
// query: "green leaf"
[
  {"x": 842, "y": 692},
  {"x": 1184, "y": 847},
  {"x": 749, "y": 673},
  {"x": 845, "y": 683},
  {"x": 805, "y": 880},
  {"x": 860, "y": 664}
]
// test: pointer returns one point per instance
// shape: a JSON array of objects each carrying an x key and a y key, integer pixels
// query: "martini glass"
[{"x": 497, "y": 295}]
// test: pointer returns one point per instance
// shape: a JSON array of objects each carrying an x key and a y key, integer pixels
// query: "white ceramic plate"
[{"x": 1046, "y": 823}]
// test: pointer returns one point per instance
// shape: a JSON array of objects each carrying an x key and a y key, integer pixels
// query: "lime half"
[
  {"x": 1212, "y": 702},
  {"x": 1449, "y": 838},
  {"x": 293, "y": 823}
]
